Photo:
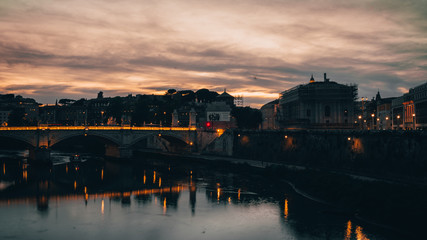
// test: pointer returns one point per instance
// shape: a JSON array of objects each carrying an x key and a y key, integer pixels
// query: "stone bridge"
[{"x": 119, "y": 139}]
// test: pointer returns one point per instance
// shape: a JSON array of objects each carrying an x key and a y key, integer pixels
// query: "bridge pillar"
[
  {"x": 115, "y": 151},
  {"x": 125, "y": 152},
  {"x": 39, "y": 155}
]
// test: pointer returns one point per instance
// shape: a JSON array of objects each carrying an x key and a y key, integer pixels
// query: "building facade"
[
  {"x": 410, "y": 110},
  {"x": 326, "y": 105}
]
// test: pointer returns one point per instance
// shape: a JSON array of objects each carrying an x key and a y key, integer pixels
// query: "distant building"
[
  {"x": 326, "y": 105},
  {"x": 410, "y": 110},
  {"x": 269, "y": 115},
  {"x": 384, "y": 113},
  {"x": 225, "y": 97},
  {"x": 4, "y": 116},
  {"x": 27, "y": 106},
  {"x": 218, "y": 115}
]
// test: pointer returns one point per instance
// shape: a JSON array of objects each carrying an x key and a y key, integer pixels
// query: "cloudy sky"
[{"x": 52, "y": 49}]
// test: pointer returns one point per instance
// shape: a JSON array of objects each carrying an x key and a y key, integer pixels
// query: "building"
[
  {"x": 4, "y": 116},
  {"x": 218, "y": 115},
  {"x": 383, "y": 113},
  {"x": 227, "y": 98},
  {"x": 410, "y": 110},
  {"x": 324, "y": 105},
  {"x": 269, "y": 115}
]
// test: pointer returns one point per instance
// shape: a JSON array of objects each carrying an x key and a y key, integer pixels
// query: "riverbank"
[{"x": 399, "y": 207}]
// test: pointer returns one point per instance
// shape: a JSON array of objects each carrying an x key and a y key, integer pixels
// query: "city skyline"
[{"x": 74, "y": 49}]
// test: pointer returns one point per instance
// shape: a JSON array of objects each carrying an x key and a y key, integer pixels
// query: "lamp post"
[
  {"x": 398, "y": 123},
  {"x": 360, "y": 122},
  {"x": 413, "y": 120}
]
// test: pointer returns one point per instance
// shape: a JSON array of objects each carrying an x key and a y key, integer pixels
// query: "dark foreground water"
[{"x": 153, "y": 199}]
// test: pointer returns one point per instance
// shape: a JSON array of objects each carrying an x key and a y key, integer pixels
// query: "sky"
[{"x": 53, "y": 49}]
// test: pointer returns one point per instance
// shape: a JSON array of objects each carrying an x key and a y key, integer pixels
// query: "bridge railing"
[{"x": 98, "y": 128}]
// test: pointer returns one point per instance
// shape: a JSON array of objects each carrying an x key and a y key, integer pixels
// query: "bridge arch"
[
  {"x": 166, "y": 141},
  {"x": 55, "y": 139},
  {"x": 28, "y": 142}
]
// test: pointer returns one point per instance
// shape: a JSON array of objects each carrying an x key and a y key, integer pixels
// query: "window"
[{"x": 327, "y": 111}]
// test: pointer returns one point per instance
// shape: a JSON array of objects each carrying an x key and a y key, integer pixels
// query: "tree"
[
  {"x": 247, "y": 118},
  {"x": 171, "y": 92},
  {"x": 204, "y": 95}
]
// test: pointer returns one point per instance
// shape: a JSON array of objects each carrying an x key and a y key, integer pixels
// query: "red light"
[{"x": 208, "y": 124}]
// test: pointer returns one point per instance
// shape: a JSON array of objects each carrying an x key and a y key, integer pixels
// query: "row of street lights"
[{"x": 387, "y": 119}]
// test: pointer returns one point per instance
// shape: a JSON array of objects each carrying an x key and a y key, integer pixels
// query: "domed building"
[{"x": 324, "y": 105}]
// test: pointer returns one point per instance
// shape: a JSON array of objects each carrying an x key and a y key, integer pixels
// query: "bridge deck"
[{"x": 98, "y": 128}]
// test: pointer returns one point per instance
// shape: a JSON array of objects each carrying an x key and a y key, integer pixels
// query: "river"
[{"x": 159, "y": 199}]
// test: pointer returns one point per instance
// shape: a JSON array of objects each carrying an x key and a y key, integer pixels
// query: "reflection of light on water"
[
  {"x": 102, "y": 174},
  {"x": 286, "y": 209},
  {"x": 164, "y": 206},
  {"x": 102, "y": 207},
  {"x": 24, "y": 175},
  {"x": 229, "y": 200},
  {"x": 154, "y": 176},
  {"x": 348, "y": 231},
  {"x": 218, "y": 193},
  {"x": 359, "y": 234},
  {"x": 4, "y": 168},
  {"x": 238, "y": 194},
  {"x": 66, "y": 168},
  {"x": 75, "y": 185},
  {"x": 160, "y": 182},
  {"x": 145, "y": 178},
  {"x": 85, "y": 189}
]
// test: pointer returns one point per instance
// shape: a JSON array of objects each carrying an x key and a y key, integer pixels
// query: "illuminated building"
[
  {"x": 384, "y": 115},
  {"x": 325, "y": 105},
  {"x": 410, "y": 110}
]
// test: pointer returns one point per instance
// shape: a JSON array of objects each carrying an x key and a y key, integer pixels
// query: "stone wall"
[{"x": 384, "y": 153}]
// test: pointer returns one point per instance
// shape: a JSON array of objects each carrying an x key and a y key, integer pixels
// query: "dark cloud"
[{"x": 81, "y": 47}]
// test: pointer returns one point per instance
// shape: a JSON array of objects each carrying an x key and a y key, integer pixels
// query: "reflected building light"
[
  {"x": 145, "y": 178},
  {"x": 102, "y": 207},
  {"x": 229, "y": 200},
  {"x": 4, "y": 168},
  {"x": 238, "y": 194},
  {"x": 348, "y": 231},
  {"x": 218, "y": 193},
  {"x": 75, "y": 185},
  {"x": 286, "y": 211},
  {"x": 24, "y": 175},
  {"x": 85, "y": 190},
  {"x": 66, "y": 168},
  {"x": 359, "y": 234},
  {"x": 155, "y": 200},
  {"x": 164, "y": 206},
  {"x": 154, "y": 176},
  {"x": 160, "y": 181},
  {"x": 102, "y": 174}
]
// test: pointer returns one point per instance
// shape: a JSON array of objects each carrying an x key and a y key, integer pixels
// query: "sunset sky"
[{"x": 52, "y": 49}]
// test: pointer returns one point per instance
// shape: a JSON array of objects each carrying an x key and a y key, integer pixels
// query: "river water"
[{"x": 159, "y": 199}]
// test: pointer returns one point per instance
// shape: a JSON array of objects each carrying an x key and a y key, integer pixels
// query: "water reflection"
[
  {"x": 348, "y": 231},
  {"x": 191, "y": 202}
]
